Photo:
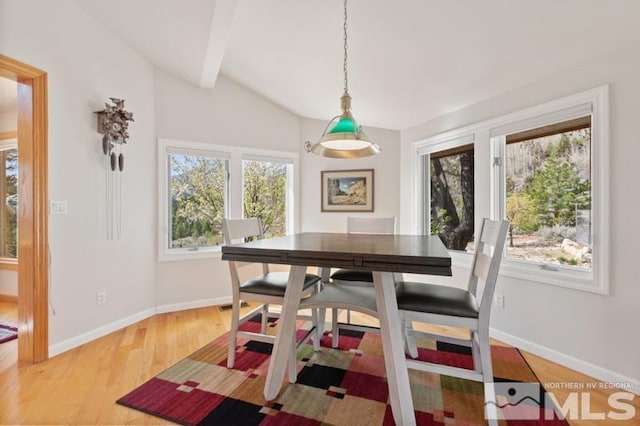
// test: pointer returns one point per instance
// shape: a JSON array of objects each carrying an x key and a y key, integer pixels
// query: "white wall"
[
  {"x": 8, "y": 120},
  {"x": 8, "y": 283},
  {"x": 386, "y": 178},
  {"x": 86, "y": 65},
  {"x": 599, "y": 332},
  {"x": 228, "y": 114}
]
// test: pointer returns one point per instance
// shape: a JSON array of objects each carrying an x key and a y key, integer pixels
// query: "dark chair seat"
[
  {"x": 352, "y": 275},
  {"x": 274, "y": 283},
  {"x": 436, "y": 299}
]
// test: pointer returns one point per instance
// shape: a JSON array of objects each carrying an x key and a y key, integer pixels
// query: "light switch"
[{"x": 57, "y": 207}]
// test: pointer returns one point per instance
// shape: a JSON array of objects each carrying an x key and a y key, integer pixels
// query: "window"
[
  {"x": 451, "y": 196},
  {"x": 198, "y": 193},
  {"x": 200, "y": 184},
  {"x": 544, "y": 169},
  {"x": 547, "y": 195},
  {"x": 265, "y": 194},
  {"x": 8, "y": 198}
]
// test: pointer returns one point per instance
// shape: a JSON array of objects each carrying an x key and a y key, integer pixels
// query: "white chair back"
[
  {"x": 486, "y": 262},
  {"x": 236, "y": 231},
  {"x": 371, "y": 225}
]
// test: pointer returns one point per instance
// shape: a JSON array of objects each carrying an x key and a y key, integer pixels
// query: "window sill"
[
  {"x": 8, "y": 264},
  {"x": 574, "y": 279},
  {"x": 178, "y": 255}
]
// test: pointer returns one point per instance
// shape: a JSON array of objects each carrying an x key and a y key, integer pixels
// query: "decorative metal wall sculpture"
[{"x": 113, "y": 123}]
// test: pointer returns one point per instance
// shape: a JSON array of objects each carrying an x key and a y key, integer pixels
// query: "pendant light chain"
[
  {"x": 346, "y": 83},
  {"x": 344, "y": 138}
]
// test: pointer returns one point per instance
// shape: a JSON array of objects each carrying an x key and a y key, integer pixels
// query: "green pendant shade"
[
  {"x": 345, "y": 125},
  {"x": 346, "y": 139}
]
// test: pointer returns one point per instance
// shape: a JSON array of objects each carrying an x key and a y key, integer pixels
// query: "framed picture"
[{"x": 347, "y": 190}]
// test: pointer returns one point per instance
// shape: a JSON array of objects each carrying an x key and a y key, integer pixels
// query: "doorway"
[
  {"x": 33, "y": 264},
  {"x": 8, "y": 216}
]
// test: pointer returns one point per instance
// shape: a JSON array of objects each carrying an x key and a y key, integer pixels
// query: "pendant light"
[{"x": 344, "y": 139}]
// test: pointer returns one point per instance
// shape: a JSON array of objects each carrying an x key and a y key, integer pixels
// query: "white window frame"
[
  {"x": 424, "y": 151},
  {"x": 235, "y": 184},
  {"x": 487, "y": 140},
  {"x": 595, "y": 103},
  {"x": 289, "y": 190}
]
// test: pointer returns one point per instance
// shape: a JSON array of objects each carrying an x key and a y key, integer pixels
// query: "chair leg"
[
  {"x": 334, "y": 328},
  {"x": 348, "y": 316},
  {"x": 265, "y": 319},
  {"x": 484, "y": 346},
  {"x": 475, "y": 352},
  {"x": 491, "y": 409},
  {"x": 485, "y": 356},
  {"x": 411, "y": 347},
  {"x": 233, "y": 333}
]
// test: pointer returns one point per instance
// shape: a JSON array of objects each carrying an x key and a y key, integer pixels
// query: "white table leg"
[
  {"x": 394, "y": 359},
  {"x": 283, "y": 346}
]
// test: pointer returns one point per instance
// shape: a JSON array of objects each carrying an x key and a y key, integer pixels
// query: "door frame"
[{"x": 33, "y": 259}]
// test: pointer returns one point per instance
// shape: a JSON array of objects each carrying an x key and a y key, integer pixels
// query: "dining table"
[{"x": 384, "y": 255}]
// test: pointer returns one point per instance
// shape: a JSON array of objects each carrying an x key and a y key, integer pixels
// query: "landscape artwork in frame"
[{"x": 347, "y": 190}]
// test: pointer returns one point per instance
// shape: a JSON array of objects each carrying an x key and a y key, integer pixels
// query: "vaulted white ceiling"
[{"x": 409, "y": 60}]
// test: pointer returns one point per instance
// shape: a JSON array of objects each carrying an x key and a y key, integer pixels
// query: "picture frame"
[{"x": 347, "y": 190}]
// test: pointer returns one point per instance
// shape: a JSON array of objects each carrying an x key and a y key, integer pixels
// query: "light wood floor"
[{"x": 81, "y": 386}]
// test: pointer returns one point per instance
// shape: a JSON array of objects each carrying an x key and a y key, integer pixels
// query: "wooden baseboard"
[{"x": 8, "y": 298}]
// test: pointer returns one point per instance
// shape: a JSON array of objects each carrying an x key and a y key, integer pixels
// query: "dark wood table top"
[{"x": 420, "y": 254}]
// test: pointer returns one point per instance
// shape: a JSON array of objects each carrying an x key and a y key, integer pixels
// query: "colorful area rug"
[
  {"x": 343, "y": 386},
  {"x": 8, "y": 332}
]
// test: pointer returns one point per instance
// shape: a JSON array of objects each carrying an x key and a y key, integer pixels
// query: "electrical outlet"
[
  {"x": 498, "y": 300},
  {"x": 101, "y": 297},
  {"x": 57, "y": 207}
]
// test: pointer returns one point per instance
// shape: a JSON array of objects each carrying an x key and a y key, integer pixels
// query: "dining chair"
[
  {"x": 266, "y": 288},
  {"x": 468, "y": 308},
  {"x": 353, "y": 277}
]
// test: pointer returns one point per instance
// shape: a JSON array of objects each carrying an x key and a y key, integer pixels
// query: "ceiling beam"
[{"x": 219, "y": 33}]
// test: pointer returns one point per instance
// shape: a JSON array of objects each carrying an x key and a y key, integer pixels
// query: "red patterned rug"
[
  {"x": 8, "y": 332},
  {"x": 344, "y": 386}
]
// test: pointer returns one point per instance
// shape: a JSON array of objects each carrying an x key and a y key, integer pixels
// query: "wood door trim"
[{"x": 33, "y": 267}]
